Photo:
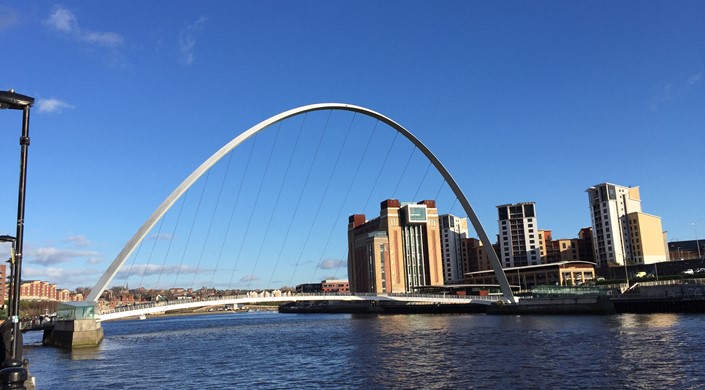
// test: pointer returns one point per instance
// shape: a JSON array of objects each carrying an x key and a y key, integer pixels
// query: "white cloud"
[
  {"x": 64, "y": 21},
  {"x": 94, "y": 260},
  {"x": 52, "y": 105},
  {"x": 63, "y": 278},
  {"x": 332, "y": 264},
  {"x": 154, "y": 269},
  {"x": 78, "y": 240},
  {"x": 102, "y": 38},
  {"x": 187, "y": 40},
  {"x": 50, "y": 255}
]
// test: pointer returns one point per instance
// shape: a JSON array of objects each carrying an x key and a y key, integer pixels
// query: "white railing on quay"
[{"x": 264, "y": 298}]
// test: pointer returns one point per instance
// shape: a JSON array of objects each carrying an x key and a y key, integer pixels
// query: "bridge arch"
[{"x": 147, "y": 226}]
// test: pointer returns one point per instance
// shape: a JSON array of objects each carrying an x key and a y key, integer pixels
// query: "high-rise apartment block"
[
  {"x": 397, "y": 252},
  {"x": 566, "y": 249},
  {"x": 453, "y": 231},
  {"x": 621, "y": 232},
  {"x": 518, "y": 235},
  {"x": 475, "y": 256}
]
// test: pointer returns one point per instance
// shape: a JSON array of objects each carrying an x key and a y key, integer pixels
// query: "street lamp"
[{"x": 13, "y": 374}]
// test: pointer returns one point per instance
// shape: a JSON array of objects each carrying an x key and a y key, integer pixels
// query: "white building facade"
[
  {"x": 453, "y": 231},
  {"x": 621, "y": 231},
  {"x": 518, "y": 234}
]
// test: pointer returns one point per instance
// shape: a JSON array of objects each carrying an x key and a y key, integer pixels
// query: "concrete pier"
[
  {"x": 72, "y": 334},
  {"x": 75, "y": 327}
]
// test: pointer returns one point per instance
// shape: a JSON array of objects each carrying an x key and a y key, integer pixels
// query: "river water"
[{"x": 292, "y": 351}]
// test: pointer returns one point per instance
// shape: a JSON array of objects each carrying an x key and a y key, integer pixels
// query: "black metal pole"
[
  {"x": 17, "y": 274},
  {"x": 12, "y": 271},
  {"x": 13, "y": 375}
]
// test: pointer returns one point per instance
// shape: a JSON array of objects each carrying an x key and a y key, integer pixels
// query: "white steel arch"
[{"x": 212, "y": 160}]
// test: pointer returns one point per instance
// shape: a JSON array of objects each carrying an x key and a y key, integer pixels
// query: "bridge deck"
[{"x": 163, "y": 306}]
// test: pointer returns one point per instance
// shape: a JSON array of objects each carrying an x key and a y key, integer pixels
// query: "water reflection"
[
  {"x": 86, "y": 354},
  {"x": 661, "y": 320},
  {"x": 391, "y": 351},
  {"x": 646, "y": 344}
]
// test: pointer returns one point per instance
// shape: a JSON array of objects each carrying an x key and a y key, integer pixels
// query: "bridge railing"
[
  {"x": 37, "y": 324},
  {"x": 289, "y": 296}
]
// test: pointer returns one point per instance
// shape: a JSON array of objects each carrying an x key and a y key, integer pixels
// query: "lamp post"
[{"x": 13, "y": 375}]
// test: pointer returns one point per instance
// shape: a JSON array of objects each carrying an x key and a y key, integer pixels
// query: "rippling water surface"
[{"x": 284, "y": 351}]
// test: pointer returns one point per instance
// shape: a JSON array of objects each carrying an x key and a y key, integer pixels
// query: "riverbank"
[
  {"x": 375, "y": 307},
  {"x": 640, "y": 298}
]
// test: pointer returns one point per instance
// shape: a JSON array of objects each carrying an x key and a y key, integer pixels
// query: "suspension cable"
[
  {"x": 325, "y": 192},
  {"x": 394, "y": 193},
  {"x": 422, "y": 180},
  {"x": 171, "y": 239},
  {"x": 276, "y": 203},
  {"x": 151, "y": 253},
  {"x": 381, "y": 169},
  {"x": 134, "y": 260},
  {"x": 252, "y": 212},
  {"x": 232, "y": 213},
  {"x": 210, "y": 225},
  {"x": 342, "y": 204},
  {"x": 298, "y": 201},
  {"x": 190, "y": 232}
]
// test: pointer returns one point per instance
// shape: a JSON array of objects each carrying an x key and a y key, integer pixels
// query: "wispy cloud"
[
  {"x": 249, "y": 278},
  {"x": 160, "y": 237},
  {"x": 63, "y": 278},
  {"x": 94, "y": 260},
  {"x": 52, "y": 105},
  {"x": 154, "y": 269},
  {"x": 8, "y": 17},
  {"x": 669, "y": 91},
  {"x": 78, "y": 240},
  {"x": 332, "y": 264},
  {"x": 64, "y": 21},
  {"x": 51, "y": 255},
  {"x": 187, "y": 40}
]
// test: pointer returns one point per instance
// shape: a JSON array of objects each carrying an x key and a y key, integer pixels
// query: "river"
[{"x": 292, "y": 351}]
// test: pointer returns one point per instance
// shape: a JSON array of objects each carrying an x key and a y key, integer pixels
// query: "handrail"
[{"x": 298, "y": 296}]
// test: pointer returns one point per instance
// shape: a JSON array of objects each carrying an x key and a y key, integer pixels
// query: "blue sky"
[{"x": 522, "y": 101}]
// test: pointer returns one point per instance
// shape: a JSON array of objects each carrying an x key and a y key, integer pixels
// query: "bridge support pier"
[{"x": 72, "y": 334}]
